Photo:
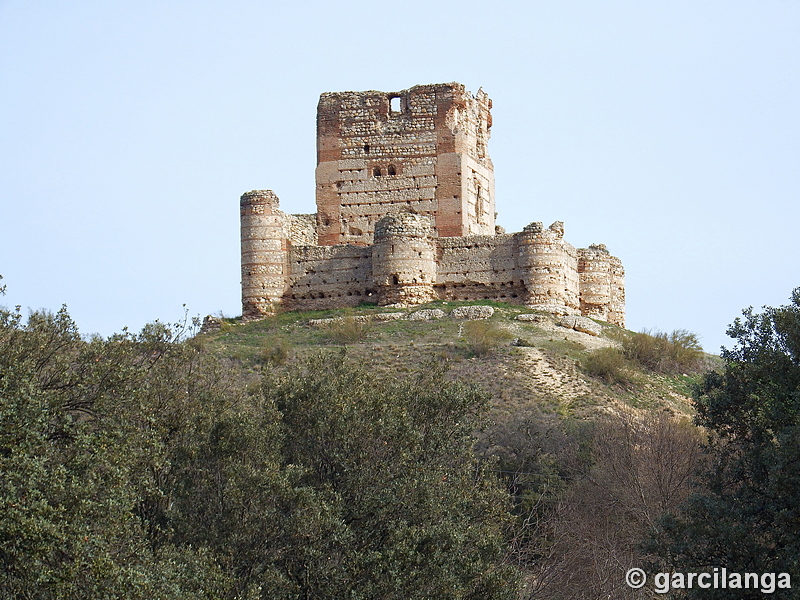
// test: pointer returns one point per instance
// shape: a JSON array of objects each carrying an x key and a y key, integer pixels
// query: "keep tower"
[{"x": 422, "y": 150}]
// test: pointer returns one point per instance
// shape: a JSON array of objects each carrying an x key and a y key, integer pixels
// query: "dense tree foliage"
[
  {"x": 138, "y": 467},
  {"x": 747, "y": 516},
  {"x": 85, "y": 434},
  {"x": 586, "y": 493}
]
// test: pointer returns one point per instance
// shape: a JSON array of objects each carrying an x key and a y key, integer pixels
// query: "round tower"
[
  {"x": 265, "y": 265},
  {"x": 616, "y": 308},
  {"x": 594, "y": 268},
  {"x": 404, "y": 259},
  {"x": 548, "y": 268}
]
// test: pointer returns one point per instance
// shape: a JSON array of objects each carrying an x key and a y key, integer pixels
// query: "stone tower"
[
  {"x": 404, "y": 259},
  {"x": 548, "y": 267},
  {"x": 422, "y": 150},
  {"x": 265, "y": 267}
]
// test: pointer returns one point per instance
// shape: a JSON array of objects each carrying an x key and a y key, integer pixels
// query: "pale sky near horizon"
[{"x": 667, "y": 130}]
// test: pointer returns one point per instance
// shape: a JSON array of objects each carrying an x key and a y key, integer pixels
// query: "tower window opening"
[
  {"x": 376, "y": 172},
  {"x": 395, "y": 280},
  {"x": 366, "y": 148},
  {"x": 394, "y": 104},
  {"x": 391, "y": 170}
]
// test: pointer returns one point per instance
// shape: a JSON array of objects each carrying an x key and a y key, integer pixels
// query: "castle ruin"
[{"x": 406, "y": 215}]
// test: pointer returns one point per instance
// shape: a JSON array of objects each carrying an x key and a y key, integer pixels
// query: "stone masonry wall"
[
  {"x": 479, "y": 268},
  {"x": 329, "y": 276},
  {"x": 423, "y": 149},
  {"x": 409, "y": 265}
]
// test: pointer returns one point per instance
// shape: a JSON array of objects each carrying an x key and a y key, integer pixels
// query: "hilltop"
[{"x": 520, "y": 363}]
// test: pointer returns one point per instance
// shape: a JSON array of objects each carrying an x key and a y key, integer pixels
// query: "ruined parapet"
[
  {"x": 265, "y": 267},
  {"x": 548, "y": 268},
  {"x": 602, "y": 284},
  {"x": 404, "y": 259},
  {"x": 422, "y": 149}
]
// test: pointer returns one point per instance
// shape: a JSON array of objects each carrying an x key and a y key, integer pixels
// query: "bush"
[
  {"x": 483, "y": 337},
  {"x": 676, "y": 352},
  {"x": 276, "y": 353},
  {"x": 608, "y": 364},
  {"x": 347, "y": 330}
]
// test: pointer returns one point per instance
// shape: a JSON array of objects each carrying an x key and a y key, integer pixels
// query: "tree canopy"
[
  {"x": 140, "y": 466},
  {"x": 746, "y": 517}
]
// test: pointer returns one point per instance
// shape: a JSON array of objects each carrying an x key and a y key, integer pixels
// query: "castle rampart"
[{"x": 405, "y": 198}]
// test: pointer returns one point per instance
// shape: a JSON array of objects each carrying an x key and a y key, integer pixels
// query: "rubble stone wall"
[
  {"x": 329, "y": 277},
  {"x": 479, "y": 268}
]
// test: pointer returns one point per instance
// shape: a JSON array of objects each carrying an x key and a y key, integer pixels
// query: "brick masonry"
[{"x": 406, "y": 214}]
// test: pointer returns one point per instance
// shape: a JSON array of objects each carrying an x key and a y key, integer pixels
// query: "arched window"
[
  {"x": 376, "y": 171},
  {"x": 391, "y": 170}
]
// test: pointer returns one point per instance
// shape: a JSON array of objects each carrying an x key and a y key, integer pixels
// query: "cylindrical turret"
[
  {"x": 602, "y": 285},
  {"x": 616, "y": 308},
  {"x": 595, "y": 281},
  {"x": 404, "y": 259},
  {"x": 547, "y": 267},
  {"x": 265, "y": 265}
]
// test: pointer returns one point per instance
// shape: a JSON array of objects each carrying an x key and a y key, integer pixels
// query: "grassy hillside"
[{"x": 520, "y": 363}]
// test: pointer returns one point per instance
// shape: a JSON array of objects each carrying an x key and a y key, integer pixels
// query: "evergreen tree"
[
  {"x": 746, "y": 516},
  {"x": 84, "y": 433},
  {"x": 374, "y": 492},
  {"x": 136, "y": 468}
]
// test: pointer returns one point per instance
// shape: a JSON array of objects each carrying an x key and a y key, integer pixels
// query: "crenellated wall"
[{"x": 405, "y": 215}]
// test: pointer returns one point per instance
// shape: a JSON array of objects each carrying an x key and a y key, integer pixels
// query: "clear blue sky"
[{"x": 670, "y": 131}]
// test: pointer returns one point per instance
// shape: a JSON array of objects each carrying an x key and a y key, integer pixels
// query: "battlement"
[{"x": 406, "y": 214}]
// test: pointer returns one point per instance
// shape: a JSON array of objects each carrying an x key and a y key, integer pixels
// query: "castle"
[{"x": 406, "y": 215}]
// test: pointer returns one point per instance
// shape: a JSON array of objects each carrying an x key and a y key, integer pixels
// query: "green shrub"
[
  {"x": 483, "y": 337},
  {"x": 275, "y": 353},
  {"x": 347, "y": 330},
  {"x": 676, "y": 352},
  {"x": 608, "y": 364}
]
